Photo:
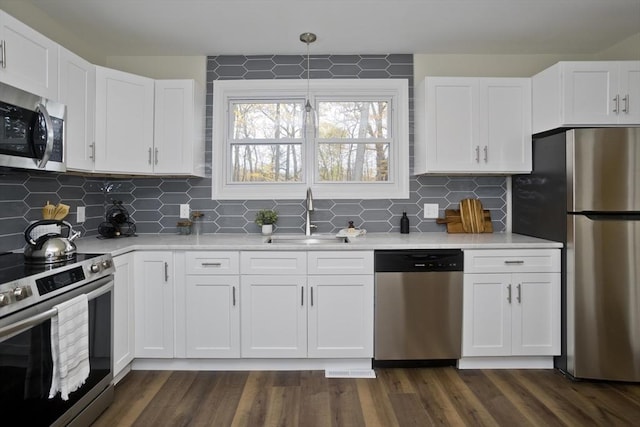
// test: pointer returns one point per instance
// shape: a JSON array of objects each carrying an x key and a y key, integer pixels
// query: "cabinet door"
[
  {"x": 536, "y": 314},
  {"x": 78, "y": 93},
  {"x": 123, "y": 313},
  {"x": 340, "y": 316},
  {"x": 124, "y": 122},
  {"x": 590, "y": 91},
  {"x": 29, "y": 59},
  {"x": 274, "y": 316},
  {"x": 154, "y": 304},
  {"x": 452, "y": 124},
  {"x": 212, "y": 316},
  {"x": 505, "y": 125},
  {"x": 629, "y": 92},
  {"x": 178, "y": 132},
  {"x": 486, "y": 312}
]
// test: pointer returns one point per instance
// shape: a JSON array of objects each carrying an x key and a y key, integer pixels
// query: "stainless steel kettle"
[{"x": 49, "y": 248}]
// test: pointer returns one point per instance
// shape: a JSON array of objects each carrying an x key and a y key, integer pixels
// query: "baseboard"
[{"x": 507, "y": 362}]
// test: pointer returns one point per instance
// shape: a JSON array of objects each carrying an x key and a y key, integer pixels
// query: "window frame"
[{"x": 227, "y": 91}]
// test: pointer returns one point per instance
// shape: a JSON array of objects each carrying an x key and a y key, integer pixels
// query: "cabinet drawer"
[
  {"x": 505, "y": 260},
  {"x": 342, "y": 262},
  {"x": 206, "y": 262},
  {"x": 263, "y": 262}
]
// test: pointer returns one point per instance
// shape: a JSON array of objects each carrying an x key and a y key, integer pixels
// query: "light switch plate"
[
  {"x": 431, "y": 210},
  {"x": 81, "y": 215},
  {"x": 184, "y": 210}
]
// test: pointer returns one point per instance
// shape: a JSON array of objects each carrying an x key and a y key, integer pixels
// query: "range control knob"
[
  {"x": 21, "y": 293},
  {"x": 95, "y": 268},
  {"x": 106, "y": 264},
  {"x": 5, "y": 299}
]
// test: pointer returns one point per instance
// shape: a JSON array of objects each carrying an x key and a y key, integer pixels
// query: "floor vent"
[{"x": 349, "y": 373}]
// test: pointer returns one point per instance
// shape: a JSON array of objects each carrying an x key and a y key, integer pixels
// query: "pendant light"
[{"x": 310, "y": 112}]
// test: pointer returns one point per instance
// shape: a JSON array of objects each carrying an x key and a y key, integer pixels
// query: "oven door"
[{"x": 26, "y": 365}]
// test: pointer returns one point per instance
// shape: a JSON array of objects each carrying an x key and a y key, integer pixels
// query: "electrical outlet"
[
  {"x": 80, "y": 215},
  {"x": 431, "y": 210},
  {"x": 184, "y": 210}
]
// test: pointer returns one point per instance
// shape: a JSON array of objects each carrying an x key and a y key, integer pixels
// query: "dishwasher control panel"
[{"x": 419, "y": 260}]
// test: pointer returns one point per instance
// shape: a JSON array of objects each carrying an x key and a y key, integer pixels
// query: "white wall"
[
  {"x": 486, "y": 65},
  {"x": 38, "y": 20},
  {"x": 513, "y": 65},
  {"x": 626, "y": 49},
  {"x": 162, "y": 67}
]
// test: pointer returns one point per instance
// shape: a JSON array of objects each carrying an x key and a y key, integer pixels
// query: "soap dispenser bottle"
[{"x": 404, "y": 223}]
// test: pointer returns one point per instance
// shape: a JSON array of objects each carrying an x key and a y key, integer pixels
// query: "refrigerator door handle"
[{"x": 609, "y": 216}]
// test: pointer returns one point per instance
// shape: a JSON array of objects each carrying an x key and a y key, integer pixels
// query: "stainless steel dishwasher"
[{"x": 418, "y": 306}]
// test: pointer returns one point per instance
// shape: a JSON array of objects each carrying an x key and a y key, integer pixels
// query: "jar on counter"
[
  {"x": 196, "y": 222},
  {"x": 184, "y": 227}
]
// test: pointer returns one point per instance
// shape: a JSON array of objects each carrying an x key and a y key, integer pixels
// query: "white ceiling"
[{"x": 214, "y": 27}]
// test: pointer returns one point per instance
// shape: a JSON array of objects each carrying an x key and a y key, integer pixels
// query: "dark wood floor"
[{"x": 397, "y": 397}]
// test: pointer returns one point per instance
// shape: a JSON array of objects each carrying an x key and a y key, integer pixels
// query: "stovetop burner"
[{"x": 23, "y": 284}]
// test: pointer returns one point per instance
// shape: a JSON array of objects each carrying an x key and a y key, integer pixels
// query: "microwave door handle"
[{"x": 49, "y": 124}]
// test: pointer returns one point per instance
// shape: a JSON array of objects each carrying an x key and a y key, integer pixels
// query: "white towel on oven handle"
[{"x": 70, "y": 346}]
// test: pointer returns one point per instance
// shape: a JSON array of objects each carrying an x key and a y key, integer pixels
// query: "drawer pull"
[
  {"x": 518, "y": 262},
  {"x": 211, "y": 264}
]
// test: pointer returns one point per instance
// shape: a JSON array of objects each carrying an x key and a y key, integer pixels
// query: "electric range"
[{"x": 23, "y": 284}]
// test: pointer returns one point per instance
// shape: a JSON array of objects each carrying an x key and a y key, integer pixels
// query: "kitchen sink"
[{"x": 326, "y": 239}]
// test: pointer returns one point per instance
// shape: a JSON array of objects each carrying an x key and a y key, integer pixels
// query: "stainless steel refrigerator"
[{"x": 585, "y": 192}]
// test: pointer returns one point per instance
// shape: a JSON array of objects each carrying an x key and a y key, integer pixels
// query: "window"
[{"x": 354, "y": 144}]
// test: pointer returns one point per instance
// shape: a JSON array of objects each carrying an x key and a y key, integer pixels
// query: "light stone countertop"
[{"x": 370, "y": 241}]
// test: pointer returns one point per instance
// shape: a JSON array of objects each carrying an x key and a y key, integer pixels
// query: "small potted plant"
[{"x": 265, "y": 218}]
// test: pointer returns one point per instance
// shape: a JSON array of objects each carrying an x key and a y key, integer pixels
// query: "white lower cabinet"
[
  {"x": 123, "y": 313},
  {"x": 212, "y": 305},
  {"x": 340, "y": 316},
  {"x": 274, "y": 316},
  {"x": 154, "y": 304},
  {"x": 514, "y": 311},
  {"x": 326, "y": 314}
]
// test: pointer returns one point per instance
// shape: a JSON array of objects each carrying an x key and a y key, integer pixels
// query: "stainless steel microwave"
[{"x": 32, "y": 134}]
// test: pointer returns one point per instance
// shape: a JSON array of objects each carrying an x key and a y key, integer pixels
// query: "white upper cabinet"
[
  {"x": 78, "y": 93},
  {"x": 473, "y": 125},
  {"x": 148, "y": 127},
  {"x": 124, "y": 122},
  {"x": 179, "y": 130},
  {"x": 28, "y": 60},
  {"x": 587, "y": 93}
]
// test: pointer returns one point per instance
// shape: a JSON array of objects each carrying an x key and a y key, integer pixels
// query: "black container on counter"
[{"x": 404, "y": 224}]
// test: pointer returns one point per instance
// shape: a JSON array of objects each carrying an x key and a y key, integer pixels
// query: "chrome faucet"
[{"x": 308, "y": 226}]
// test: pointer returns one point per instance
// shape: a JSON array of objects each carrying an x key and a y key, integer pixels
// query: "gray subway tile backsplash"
[{"x": 154, "y": 202}]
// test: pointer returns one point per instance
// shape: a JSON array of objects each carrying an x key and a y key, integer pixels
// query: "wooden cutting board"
[
  {"x": 472, "y": 215},
  {"x": 453, "y": 220}
]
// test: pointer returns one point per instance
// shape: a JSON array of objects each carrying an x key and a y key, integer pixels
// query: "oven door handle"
[{"x": 28, "y": 323}]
